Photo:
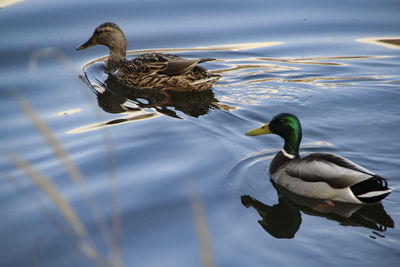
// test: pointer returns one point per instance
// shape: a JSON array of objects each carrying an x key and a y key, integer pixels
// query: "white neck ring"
[{"x": 287, "y": 154}]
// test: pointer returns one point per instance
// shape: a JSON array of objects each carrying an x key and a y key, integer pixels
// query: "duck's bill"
[
  {"x": 88, "y": 43},
  {"x": 262, "y": 130}
]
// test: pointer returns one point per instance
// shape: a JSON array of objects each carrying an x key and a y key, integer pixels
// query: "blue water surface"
[{"x": 178, "y": 183}]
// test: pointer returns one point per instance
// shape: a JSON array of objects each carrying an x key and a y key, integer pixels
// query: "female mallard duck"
[
  {"x": 149, "y": 70},
  {"x": 319, "y": 175}
]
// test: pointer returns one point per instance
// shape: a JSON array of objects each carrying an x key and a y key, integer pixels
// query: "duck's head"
[
  {"x": 108, "y": 34},
  {"x": 285, "y": 125}
]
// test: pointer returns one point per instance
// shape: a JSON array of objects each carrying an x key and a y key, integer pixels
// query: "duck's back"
[
  {"x": 328, "y": 176},
  {"x": 165, "y": 71}
]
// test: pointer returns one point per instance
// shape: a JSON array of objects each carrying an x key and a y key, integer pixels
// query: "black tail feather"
[{"x": 371, "y": 190}]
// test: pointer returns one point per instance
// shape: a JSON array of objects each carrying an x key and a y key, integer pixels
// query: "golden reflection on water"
[
  {"x": 136, "y": 116},
  {"x": 316, "y": 60},
  {"x": 228, "y": 47},
  {"x": 240, "y": 46},
  {"x": 313, "y": 79},
  {"x": 254, "y": 80},
  {"x": 388, "y": 42},
  {"x": 258, "y": 67},
  {"x": 4, "y": 3},
  {"x": 249, "y": 80}
]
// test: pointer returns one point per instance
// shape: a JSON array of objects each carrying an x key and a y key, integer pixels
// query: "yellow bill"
[{"x": 262, "y": 130}]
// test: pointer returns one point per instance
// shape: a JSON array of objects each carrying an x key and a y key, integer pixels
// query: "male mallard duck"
[
  {"x": 319, "y": 175},
  {"x": 149, "y": 70}
]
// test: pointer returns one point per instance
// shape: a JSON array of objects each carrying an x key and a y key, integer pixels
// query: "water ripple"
[{"x": 251, "y": 79}]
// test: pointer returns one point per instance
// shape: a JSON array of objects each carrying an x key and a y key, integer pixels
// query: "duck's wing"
[
  {"x": 339, "y": 173},
  {"x": 167, "y": 63},
  {"x": 336, "y": 171},
  {"x": 149, "y": 63},
  {"x": 180, "y": 65}
]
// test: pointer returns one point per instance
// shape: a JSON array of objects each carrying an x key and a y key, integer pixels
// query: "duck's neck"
[
  {"x": 289, "y": 151},
  {"x": 292, "y": 145},
  {"x": 117, "y": 55}
]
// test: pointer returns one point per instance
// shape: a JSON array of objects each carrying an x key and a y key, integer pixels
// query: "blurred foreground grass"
[{"x": 79, "y": 234}]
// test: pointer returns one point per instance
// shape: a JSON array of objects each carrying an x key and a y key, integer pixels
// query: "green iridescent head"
[{"x": 285, "y": 125}]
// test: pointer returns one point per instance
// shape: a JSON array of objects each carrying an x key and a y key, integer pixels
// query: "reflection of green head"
[{"x": 285, "y": 125}]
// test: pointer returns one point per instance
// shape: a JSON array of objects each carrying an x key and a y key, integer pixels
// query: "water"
[{"x": 190, "y": 184}]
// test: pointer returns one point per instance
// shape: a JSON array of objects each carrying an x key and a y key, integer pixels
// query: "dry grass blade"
[
  {"x": 111, "y": 161},
  {"x": 52, "y": 192},
  {"x": 201, "y": 226},
  {"x": 72, "y": 170},
  {"x": 61, "y": 203}
]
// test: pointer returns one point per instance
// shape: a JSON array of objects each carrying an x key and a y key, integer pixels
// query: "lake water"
[{"x": 173, "y": 181}]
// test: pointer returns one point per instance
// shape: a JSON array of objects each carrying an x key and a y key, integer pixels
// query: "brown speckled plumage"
[{"x": 150, "y": 70}]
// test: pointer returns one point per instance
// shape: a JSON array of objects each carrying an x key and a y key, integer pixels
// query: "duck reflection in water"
[
  {"x": 116, "y": 98},
  {"x": 283, "y": 220}
]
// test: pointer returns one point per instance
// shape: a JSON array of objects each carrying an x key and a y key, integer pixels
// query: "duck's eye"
[{"x": 98, "y": 31}]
